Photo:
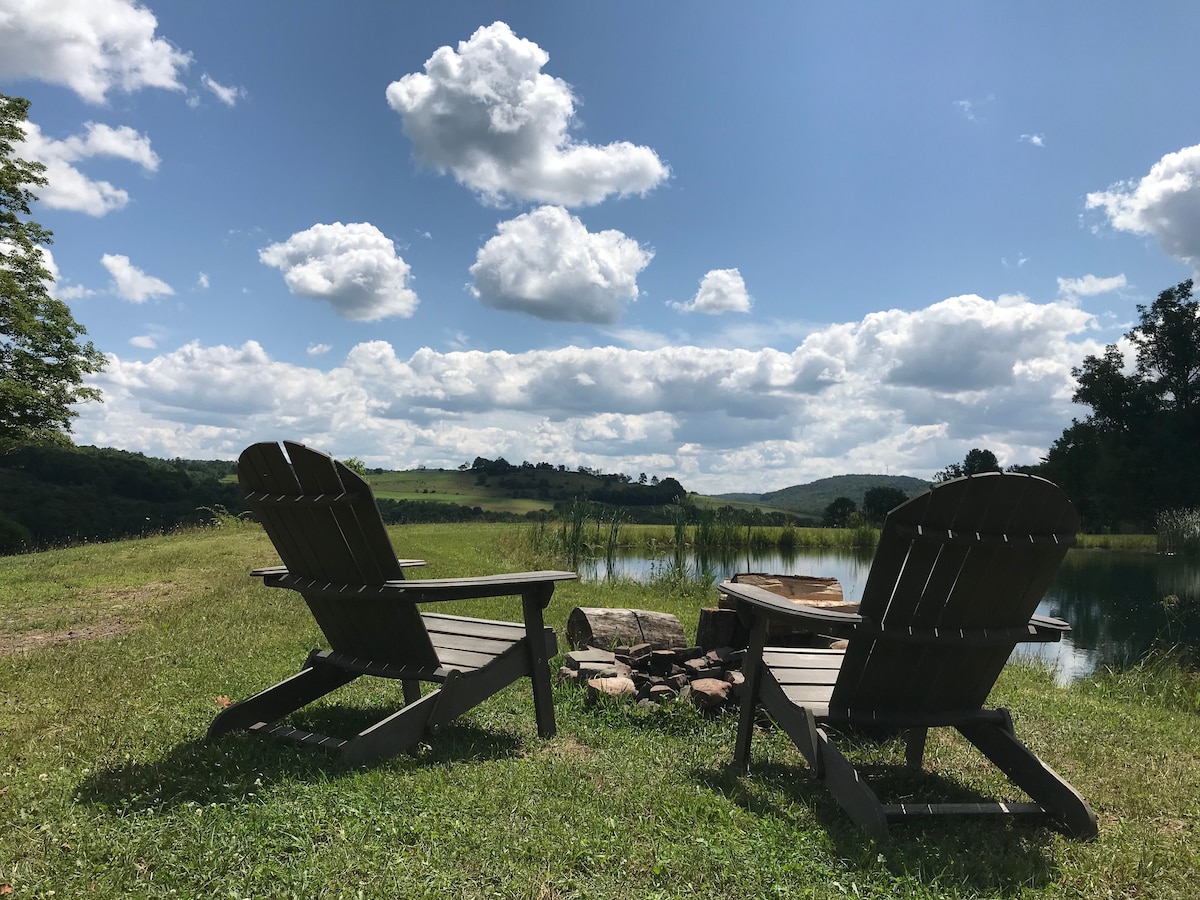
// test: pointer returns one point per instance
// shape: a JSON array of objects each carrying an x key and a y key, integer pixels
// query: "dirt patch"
[{"x": 36, "y": 640}]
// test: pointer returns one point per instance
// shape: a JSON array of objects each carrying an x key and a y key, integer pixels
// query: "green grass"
[
  {"x": 106, "y": 788},
  {"x": 1145, "y": 543}
]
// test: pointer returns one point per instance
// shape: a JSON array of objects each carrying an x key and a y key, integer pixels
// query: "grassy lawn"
[
  {"x": 112, "y": 658},
  {"x": 441, "y": 486}
]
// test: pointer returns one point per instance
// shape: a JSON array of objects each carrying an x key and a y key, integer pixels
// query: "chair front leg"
[
  {"x": 753, "y": 670},
  {"x": 533, "y": 601}
]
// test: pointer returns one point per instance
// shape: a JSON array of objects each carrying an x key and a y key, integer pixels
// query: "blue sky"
[{"x": 742, "y": 249}]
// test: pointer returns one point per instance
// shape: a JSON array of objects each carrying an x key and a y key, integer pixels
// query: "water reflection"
[{"x": 1112, "y": 599}]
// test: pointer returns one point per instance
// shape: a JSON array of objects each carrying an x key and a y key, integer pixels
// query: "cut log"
[
  {"x": 721, "y": 628},
  {"x": 597, "y": 626}
]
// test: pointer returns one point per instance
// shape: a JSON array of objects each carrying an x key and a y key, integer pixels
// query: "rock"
[
  {"x": 596, "y": 670},
  {"x": 720, "y": 655},
  {"x": 736, "y": 680},
  {"x": 662, "y": 661},
  {"x": 710, "y": 693},
  {"x": 576, "y": 658},
  {"x": 638, "y": 652},
  {"x": 610, "y": 687}
]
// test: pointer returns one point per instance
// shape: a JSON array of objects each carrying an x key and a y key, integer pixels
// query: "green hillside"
[{"x": 812, "y": 498}]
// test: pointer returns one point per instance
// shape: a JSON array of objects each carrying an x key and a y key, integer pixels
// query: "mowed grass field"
[
  {"x": 114, "y": 658},
  {"x": 444, "y": 486}
]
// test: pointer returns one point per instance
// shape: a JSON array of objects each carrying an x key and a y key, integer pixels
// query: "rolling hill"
[{"x": 812, "y": 498}]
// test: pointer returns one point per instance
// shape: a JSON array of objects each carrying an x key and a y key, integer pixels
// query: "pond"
[{"x": 1113, "y": 599}]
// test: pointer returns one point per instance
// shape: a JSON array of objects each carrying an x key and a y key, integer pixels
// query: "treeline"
[
  {"x": 543, "y": 481},
  {"x": 52, "y": 495},
  {"x": 408, "y": 512}
]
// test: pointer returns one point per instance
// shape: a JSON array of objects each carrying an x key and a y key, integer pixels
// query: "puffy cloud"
[
  {"x": 202, "y": 281},
  {"x": 547, "y": 264},
  {"x": 131, "y": 283},
  {"x": 69, "y": 188},
  {"x": 1164, "y": 204},
  {"x": 721, "y": 291},
  {"x": 488, "y": 113},
  {"x": 227, "y": 95},
  {"x": 864, "y": 396},
  {"x": 1036, "y": 140},
  {"x": 1089, "y": 286},
  {"x": 90, "y": 46},
  {"x": 355, "y": 268},
  {"x": 144, "y": 341}
]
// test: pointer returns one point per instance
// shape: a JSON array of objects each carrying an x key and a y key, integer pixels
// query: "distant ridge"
[{"x": 812, "y": 498}]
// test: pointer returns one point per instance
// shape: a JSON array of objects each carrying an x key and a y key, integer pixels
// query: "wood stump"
[{"x": 597, "y": 626}]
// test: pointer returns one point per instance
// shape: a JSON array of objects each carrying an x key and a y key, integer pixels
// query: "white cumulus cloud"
[
  {"x": 69, "y": 188},
  {"x": 547, "y": 264},
  {"x": 1164, "y": 204},
  {"x": 721, "y": 291},
  {"x": 131, "y": 283},
  {"x": 488, "y": 114},
  {"x": 899, "y": 390},
  {"x": 89, "y": 46},
  {"x": 1089, "y": 286},
  {"x": 227, "y": 95},
  {"x": 354, "y": 268}
]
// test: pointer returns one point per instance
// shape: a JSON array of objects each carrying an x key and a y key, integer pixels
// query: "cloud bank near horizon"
[{"x": 900, "y": 391}]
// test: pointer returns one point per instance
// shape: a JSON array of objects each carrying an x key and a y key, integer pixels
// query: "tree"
[
  {"x": 1168, "y": 347},
  {"x": 42, "y": 361},
  {"x": 837, "y": 514},
  {"x": 355, "y": 465},
  {"x": 1130, "y": 457},
  {"x": 973, "y": 463},
  {"x": 879, "y": 501}
]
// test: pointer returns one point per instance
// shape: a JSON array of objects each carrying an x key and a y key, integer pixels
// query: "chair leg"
[
  {"x": 914, "y": 747},
  {"x": 395, "y": 734},
  {"x": 539, "y": 664},
  {"x": 412, "y": 691},
  {"x": 999, "y": 743},
  {"x": 277, "y": 701},
  {"x": 849, "y": 789},
  {"x": 753, "y": 670}
]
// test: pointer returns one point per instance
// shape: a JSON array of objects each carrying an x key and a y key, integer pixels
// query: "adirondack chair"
[
  {"x": 956, "y": 577},
  {"x": 336, "y": 553}
]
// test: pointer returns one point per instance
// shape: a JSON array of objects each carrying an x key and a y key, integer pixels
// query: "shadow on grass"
[
  {"x": 234, "y": 768},
  {"x": 989, "y": 854}
]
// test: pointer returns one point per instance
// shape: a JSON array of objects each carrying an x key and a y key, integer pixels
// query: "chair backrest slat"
[
  {"x": 324, "y": 523},
  {"x": 931, "y": 572}
]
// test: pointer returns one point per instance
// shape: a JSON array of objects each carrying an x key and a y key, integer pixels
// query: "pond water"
[{"x": 1113, "y": 599}]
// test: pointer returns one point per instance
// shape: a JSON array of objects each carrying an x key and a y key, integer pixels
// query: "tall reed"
[{"x": 1178, "y": 531}]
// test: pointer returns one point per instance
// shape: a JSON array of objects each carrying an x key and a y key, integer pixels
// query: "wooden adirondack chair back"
[
  {"x": 324, "y": 523},
  {"x": 972, "y": 553}
]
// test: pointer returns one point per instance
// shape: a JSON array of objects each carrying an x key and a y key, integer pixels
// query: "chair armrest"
[
  {"x": 760, "y": 601},
  {"x": 282, "y": 570},
  {"x": 429, "y": 590}
]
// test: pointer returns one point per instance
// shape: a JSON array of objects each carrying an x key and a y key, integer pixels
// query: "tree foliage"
[
  {"x": 879, "y": 501},
  {"x": 1131, "y": 456},
  {"x": 838, "y": 513},
  {"x": 42, "y": 359},
  {"x": 974, "y": 463}
]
